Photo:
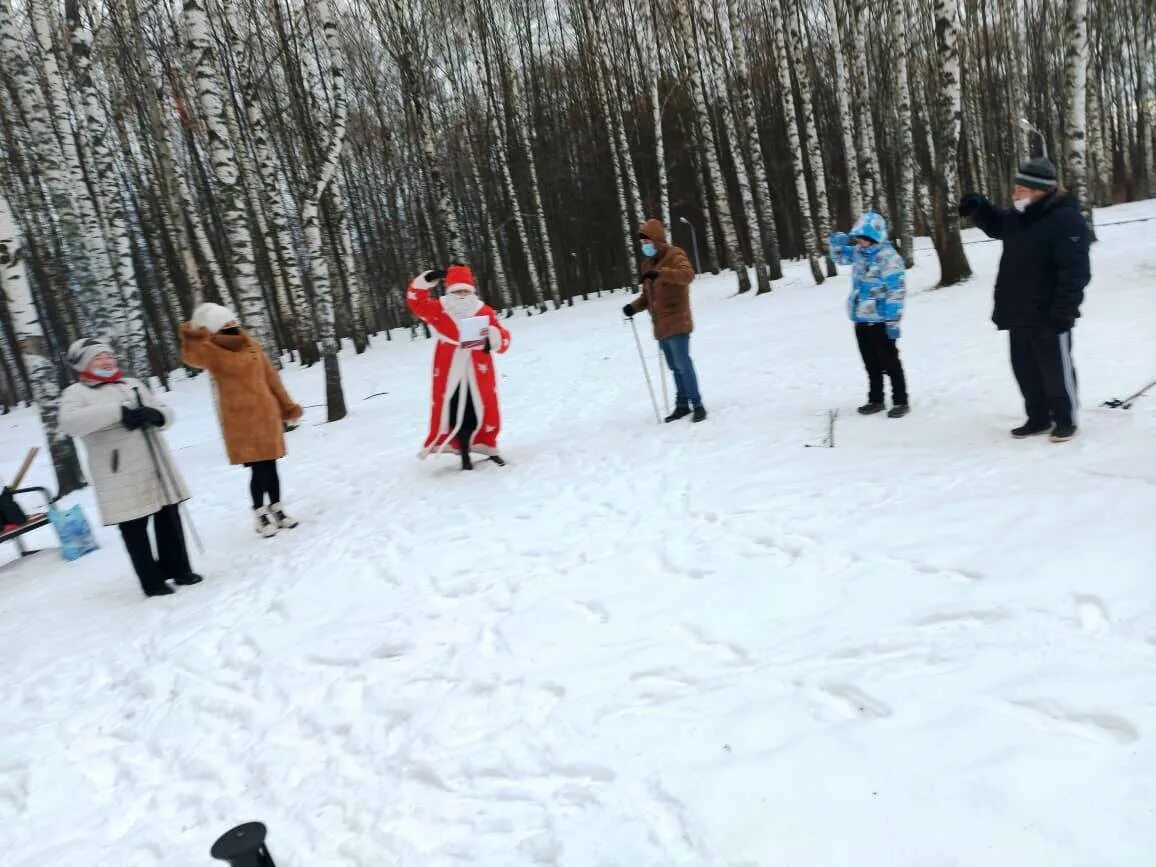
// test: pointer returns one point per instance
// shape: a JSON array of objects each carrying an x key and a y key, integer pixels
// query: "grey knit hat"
[
  {"x": 83, "y": 351},
  {"x": 1038, "y": 173}
]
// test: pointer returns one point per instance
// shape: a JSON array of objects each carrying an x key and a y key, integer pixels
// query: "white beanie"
[
  {"x": 83, "y": 351},
  {"x": 213, "y": 317}
]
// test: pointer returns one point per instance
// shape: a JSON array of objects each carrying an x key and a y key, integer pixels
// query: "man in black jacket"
[{"x": 1038, "y": 291}]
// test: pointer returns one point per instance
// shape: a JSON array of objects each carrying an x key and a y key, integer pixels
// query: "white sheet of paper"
[{"x": 470, "y": 330}]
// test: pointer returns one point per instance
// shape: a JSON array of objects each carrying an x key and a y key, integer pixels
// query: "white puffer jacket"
[{"x": 121, "y": 464}]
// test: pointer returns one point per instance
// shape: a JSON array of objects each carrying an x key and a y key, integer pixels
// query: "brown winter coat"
[
  {"x": 667, "y": 296},
  {"x": 252, "y": 404}
]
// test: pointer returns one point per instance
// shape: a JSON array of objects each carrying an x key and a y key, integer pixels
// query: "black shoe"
[
  {"x": 699, "y": 414},
  {"x": 872, "y": 408},
  {"x": 680, "y": 411},
  {"x": 498, "y": 460},
  {"x": 467, "y": 462},
  {"x": 899, "y": 410},
  {"x": 188, "y": 580},
  {"x": 161, "y": 589},
  {"x": 1063, "y": 432},
  {"x": 1031, "y": 430}
]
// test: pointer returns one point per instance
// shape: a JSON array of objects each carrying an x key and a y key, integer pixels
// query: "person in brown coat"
[
  {"x": 666, "y": 279},
  {"x": 252, "y": 405}
]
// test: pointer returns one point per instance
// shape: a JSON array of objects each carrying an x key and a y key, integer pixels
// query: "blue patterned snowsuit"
[{"x": 877, "y": 273}]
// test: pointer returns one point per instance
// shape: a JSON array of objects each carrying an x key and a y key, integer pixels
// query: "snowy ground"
[{"x": 931, "y": 646}]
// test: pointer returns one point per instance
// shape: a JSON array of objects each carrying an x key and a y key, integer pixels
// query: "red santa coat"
[{"x": 453, "y": 365}]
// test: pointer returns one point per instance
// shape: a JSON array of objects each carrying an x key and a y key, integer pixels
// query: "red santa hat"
[{"x": 459, "y": 277}]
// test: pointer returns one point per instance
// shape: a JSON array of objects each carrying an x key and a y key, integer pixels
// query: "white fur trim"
[
  {"x": 458, "y": 287},
  {"x": 423, "y": 282},
  {"x": 213, "y": 317}
]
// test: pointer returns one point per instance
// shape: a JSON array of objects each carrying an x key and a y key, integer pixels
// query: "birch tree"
[
  {"x": 906, "y": 222},
  {"x": 1076, "y": 75},
  {"x": 953, "y": 262}
]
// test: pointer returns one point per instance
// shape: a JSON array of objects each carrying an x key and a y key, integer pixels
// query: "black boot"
[
  {"x": 188, "y": 580},
  {"x": 1030, "y": 429},
  {"x": 699, "y": 414},
  {"x": 871, "y": 408},
  {"x": 467, "y": 463},
  {"x": 680, "y": 411},
  {"x": 159, "y": 589},
  {"x": 899, "y": 410}
]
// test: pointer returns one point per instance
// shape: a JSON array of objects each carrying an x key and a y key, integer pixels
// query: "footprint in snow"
[
  {"x": 1101, "y": 727},
  {"x": 850, "y": 702},
  {"x": 1092, "y": 614}
]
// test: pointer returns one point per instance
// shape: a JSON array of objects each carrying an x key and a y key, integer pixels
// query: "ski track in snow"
[{"x": 636, "y": 645}]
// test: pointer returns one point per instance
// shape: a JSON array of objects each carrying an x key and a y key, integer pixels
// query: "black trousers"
[
  {"x": 1042, "y": 362},
  {"x": 469, "y": 416},
  {"x": 264, "y": 482},
  {"x": 881, "y": 356},
  {"x": 172, "y": 557}
]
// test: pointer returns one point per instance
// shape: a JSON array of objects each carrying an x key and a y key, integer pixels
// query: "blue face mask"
[
  {"x": 105, "y": 374},
  {"x": 649, "y": 250}
]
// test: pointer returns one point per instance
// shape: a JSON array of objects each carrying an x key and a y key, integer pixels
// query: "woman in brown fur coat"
[{"x": 252, "y": 405}]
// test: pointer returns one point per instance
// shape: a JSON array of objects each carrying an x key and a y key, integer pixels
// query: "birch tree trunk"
[
  {"x": 846, "y": 115},
  {"x": 906, "y": 222},
  {"x": 953, "y": 263},
  {"x": 201, "y": 49},
  {"x": 1076, "y": 86},
  {"x": 310, "y": 213},
  {"x": 795, "y": 142},
  {"x": 529, "y": 140},
  {"x": 868, "y": 154},
  {"x": 683, "y": 9},
  {"x": 30, "y": 338}
]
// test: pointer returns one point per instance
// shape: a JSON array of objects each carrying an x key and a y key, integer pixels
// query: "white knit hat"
[
  {"x": 213, "y": 317},
  {"x": 83, "y": 351}
]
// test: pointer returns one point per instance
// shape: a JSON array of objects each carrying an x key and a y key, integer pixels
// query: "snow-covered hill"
[{"x": 638, "y": 646}]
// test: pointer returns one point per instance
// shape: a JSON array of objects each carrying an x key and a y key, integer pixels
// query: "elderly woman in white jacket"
[{"x": 120, "y": 420}]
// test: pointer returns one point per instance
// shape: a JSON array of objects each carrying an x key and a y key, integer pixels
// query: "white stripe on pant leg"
[{"x": 1069, "y": 372}]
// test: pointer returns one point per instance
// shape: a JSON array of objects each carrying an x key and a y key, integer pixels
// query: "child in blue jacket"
[{"x": 875, "y": 306}]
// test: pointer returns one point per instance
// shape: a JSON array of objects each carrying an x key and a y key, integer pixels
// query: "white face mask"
[
  {"x": 1021, "y": 204},
  {"x": 461, "y": 306}
]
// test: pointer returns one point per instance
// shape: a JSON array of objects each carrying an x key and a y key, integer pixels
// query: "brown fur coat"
[
  {"x": 252, "y": 404},
  {"x": 667, "y": 296}
]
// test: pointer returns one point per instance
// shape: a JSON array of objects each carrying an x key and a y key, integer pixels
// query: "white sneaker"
[
  {"x": 264, "y": 523},
  {"x": 283, "y": 521}
]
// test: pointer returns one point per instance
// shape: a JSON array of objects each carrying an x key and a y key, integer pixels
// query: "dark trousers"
[
  {"x": 881, "y": 356},
  {"x": 677, "y": 352},
  {"x": 1042, "y": 362},
  {"x": 264, "y": 482},
  {"x": 172, "y": 557},
  {"x": 469, "y": 416}
]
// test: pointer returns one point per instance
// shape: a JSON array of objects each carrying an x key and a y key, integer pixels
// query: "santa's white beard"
[{"x": 461, "y": 307}]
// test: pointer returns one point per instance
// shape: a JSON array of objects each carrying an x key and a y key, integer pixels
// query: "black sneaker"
[
  {"x": 161, "y": 589},
  {"x": 1031, "y": 430},
  {"x": 871, "y": 408},
  {"x": 699, "y": 414},
  {"x": 1063, "y": 432},
  {"x": 188, "y": 580},
  {"x": 899, "y": 410},
  {"x": 497, "y": 459},
  {"x": 679, "y": 412}
]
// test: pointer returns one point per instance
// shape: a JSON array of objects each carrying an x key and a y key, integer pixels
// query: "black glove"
[
  {"x": 150, "y": 416},
  {"x": 651, "y": 275},
  {"x": 435, "y": 274},
  {"x": 969, "y": 204},
  {"x": 131, "y": 417},
  {"x": 628, "y": 311}
]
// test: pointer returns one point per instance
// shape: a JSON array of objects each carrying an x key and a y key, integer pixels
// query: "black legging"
[
  {"x": 469, "y": 417},
  {"x": 264, "y": 481}
]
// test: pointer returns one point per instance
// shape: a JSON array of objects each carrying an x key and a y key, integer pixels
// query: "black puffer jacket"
[{"x": 1045, "y": 264}]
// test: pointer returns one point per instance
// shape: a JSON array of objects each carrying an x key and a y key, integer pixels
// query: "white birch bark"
[
  {"x": 310, "y": 212},
  {"x": 127, "y": 315},
  {"x": 846, "y": 115},
  {"x": 30, "y": 339},
  {"x": 906, "y": 222},
  {"x": 740, "y": 62},
  {"x": 1148, "y": 103},
  {"x": 683, "y": 10},
  {"x": 795, "y": 142},
  {"x": 953, "y": 261},
  {"x": 529, "y": 139},
  {"x": 1076, "y": 85},
  {"x": 226, "y": 168},
  {"x": 798, "y": 50},
  {"x": 868, "y": 154}
]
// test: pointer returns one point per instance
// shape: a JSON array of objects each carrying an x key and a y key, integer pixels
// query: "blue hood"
[{"x": 871, "y": 225}]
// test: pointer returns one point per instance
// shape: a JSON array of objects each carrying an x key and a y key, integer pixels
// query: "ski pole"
[
  {"x": 168, "y": 495},
  {"x": 1126, "y": 403},
  {"x": 645, "y": 369}
]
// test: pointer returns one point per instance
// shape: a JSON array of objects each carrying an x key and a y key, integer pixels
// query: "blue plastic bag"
[{"x": 75, "y": 535}]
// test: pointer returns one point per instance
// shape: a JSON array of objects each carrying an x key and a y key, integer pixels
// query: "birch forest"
[{"x": 300, "y": 160}]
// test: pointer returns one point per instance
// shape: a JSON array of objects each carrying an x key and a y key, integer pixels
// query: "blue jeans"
[{"x": 677, "y": 352}]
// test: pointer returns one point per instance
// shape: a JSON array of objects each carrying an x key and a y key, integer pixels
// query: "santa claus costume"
[{"x": 465, "y": 387}]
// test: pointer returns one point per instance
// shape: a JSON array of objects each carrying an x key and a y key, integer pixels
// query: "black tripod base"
[{"x": 244, "y": 846}]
